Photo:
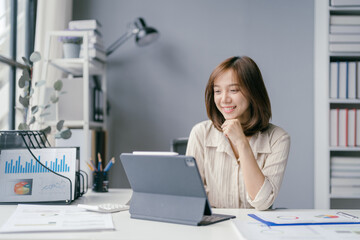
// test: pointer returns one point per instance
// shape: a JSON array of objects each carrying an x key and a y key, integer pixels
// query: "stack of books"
[
  {"x": 345, "y": 3},
  {"x": 344, "y": 33},
  {"x": 345, "y": 176},
  {"x": 345, "y": 80},
  {"x": 96, "y": 49}
]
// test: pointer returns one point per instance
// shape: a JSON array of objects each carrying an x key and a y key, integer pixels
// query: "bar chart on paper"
[
  {"x": 46, "y": 174},
  {"x": 32, "y": 166}
]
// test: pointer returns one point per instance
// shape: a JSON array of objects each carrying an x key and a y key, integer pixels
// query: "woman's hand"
[{"x": 233, "y": 130}]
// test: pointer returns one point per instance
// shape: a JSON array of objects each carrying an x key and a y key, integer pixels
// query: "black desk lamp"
[{"x": 144, "y": 35}]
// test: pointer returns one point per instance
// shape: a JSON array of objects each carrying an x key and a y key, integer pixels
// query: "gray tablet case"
[{"x": 168, "y": 189}]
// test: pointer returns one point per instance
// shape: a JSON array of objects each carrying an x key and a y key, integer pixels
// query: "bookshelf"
[
  {"x": 337, "y": 144},
  {"x": 76, "y": 107}
]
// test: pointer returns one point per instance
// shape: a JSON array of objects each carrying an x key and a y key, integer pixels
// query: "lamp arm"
[{"x": 120, "y": 41}]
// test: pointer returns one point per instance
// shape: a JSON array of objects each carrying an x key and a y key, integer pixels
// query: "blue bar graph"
[{"x": 16, "y": 166}]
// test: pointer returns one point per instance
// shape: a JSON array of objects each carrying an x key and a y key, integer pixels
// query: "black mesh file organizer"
[{"x": 18, "y": 190}]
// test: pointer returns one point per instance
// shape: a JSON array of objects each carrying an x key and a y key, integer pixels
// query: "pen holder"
[{"x": 101, "y": 182}]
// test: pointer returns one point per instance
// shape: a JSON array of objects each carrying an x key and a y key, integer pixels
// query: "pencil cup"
[{"x": 101, "y": 182}]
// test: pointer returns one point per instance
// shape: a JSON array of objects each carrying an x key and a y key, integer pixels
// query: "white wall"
[{"x": 157, "y": 92}]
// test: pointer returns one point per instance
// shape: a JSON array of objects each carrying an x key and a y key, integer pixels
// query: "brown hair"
[{"x": 252, "y": 87}]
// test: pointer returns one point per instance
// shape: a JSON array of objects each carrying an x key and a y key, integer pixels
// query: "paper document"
[
  {"x": 45, "y": 218},
  {"x": 252, "y": 230},
  {"x": 325, "y": 217}
]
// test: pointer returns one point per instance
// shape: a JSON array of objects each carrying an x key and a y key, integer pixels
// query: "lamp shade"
[{"x": 145, "y": 35}]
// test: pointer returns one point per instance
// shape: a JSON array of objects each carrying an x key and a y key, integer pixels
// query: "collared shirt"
[{"x": 221, "y": 171}]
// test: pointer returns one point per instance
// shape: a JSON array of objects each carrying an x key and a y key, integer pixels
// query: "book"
[
  {"x": 348, "y": 168},
  {"x": 350, "y": 182},
  {"x": 97, "y": 46},
  {"x": 344, "y": 47},
  {"x": 351, "y": 127},
  {"x": 84, "y": 24},
  {"x": 342, "y": 80},
  {"x": 346, "y": 191},
  {"x": 336, "y": 160},
  {"x": 343, "y": 127},
  {"x": 345, "y": 174},
  {"x": 344, "y": 20},
  {"x": 353, "y": 29},
  {"x": 344, "y": 38},
  {"x": 94, "y": 53},
  {"x": 334, "y": 123},
  {"x": 357, "y": 127},
  {"x": 357, "y": 70},
  {"x": 339, "y": 3},
  {"x": 334, "y": 66},
  {"x": 351, "y": 78}
]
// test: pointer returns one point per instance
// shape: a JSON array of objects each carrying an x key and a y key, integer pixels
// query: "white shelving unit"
[
  {"x": 83, "y": 67},
  {"x": 322, "y": 149}
]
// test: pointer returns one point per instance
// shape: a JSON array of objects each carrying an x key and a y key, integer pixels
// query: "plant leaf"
[
  {"x": 63, "y": 92},
  {"x": 40, "y": 83},
  {"x": 32, "y": 120},
  {"x": 24, "y": 101},
  {"x": 54, "y": 98},
  {"x": 58, "y": 85},
  {"x": 66, "y": 134},
  {"x": 23, "y": 126},
  {"x": 34, "y": 109},
  {"x": 21, "y": 82},
  {"x": 35, "y": 57},
  {"x": 58, "y": 135},
  {"x": 60, "y": 125},
  {"x": 46, "y": 130},
  {"x": 26, "y": 74}
]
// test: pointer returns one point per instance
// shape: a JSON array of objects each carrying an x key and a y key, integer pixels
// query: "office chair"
[{"x": 179, "y": 145}]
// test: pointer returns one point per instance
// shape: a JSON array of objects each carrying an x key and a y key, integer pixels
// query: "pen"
[
  {"x": 91, "y": 162},
  {"x": 347, "y": 215},
  {"x": 91, "y": 168},
  {"x": 110, "y": 163},
  {"x": 99, "y": 164}
]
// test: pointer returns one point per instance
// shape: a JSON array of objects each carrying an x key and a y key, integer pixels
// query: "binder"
[
  {"x": 32, "y": 171},
  {"x": 294, "y": 218}
]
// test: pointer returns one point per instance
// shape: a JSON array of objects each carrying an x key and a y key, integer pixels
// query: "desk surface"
[{"x": 128, "y": 228}]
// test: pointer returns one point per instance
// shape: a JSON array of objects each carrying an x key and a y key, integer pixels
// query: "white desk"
[{"x": 128, "y": 228}]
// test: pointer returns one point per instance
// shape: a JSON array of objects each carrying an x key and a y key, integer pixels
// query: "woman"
[{"x": 240, "y": 155}]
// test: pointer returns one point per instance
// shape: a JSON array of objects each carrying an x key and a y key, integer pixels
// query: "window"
[{"x": 19, "y": 15}]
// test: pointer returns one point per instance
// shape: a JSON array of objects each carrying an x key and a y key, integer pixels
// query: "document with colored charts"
[
  {"x": 311, "y": 217},
  {"x": 256, "y": 230}
]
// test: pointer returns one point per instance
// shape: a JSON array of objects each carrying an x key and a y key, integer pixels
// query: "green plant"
[
  {"x": 71, "y": 39},
  {"x": 36, "y": 113}
]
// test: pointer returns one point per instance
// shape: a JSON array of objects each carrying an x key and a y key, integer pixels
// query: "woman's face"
[{"x": 228, "y": 98}]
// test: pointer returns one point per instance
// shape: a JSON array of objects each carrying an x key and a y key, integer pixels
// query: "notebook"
[{"x": 168, "y": 189}]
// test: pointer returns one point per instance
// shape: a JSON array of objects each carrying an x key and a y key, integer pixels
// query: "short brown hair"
[{"x": 252, "y": 87}]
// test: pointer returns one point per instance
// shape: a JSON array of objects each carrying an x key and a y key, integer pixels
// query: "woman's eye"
[
  {"x": 217, "y": 91},
  {"x": 234, "y": 90}
]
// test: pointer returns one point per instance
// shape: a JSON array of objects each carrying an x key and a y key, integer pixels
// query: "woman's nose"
[{"x": 225, "y": 98}]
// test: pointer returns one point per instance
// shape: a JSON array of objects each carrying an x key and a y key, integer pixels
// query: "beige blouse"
[{"x": 221, "y": 171}]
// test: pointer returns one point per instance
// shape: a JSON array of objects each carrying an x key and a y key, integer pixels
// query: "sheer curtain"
[{"x": 51, "y": 15}]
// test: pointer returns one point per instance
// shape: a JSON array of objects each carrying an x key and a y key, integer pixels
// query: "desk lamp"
[{"x": 144, "y": 35}]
